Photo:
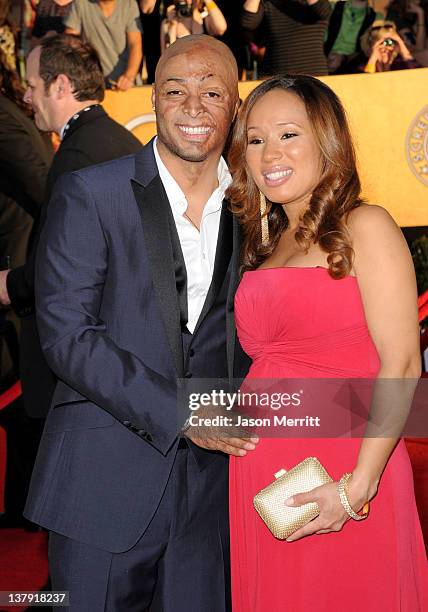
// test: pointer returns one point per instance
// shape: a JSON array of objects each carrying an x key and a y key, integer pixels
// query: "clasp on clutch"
[{"x": 280, "y": 473}]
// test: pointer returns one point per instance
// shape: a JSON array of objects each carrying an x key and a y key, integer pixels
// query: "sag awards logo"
[
  {"x": 140, "y": 120},
  {"x": 417, "y": 146}
]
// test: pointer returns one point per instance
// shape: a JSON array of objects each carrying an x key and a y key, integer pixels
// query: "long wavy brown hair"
[{"x": 337, "y": 193}]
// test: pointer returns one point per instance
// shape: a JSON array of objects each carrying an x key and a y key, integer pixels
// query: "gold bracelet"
[
  {"x": 345, "y": 502},
  {"x": 210, "y": 5}
]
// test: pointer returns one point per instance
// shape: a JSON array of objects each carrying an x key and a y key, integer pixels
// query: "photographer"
[
  {"x": 185, "y": 17},
  {"x": 385, "y": 49}
]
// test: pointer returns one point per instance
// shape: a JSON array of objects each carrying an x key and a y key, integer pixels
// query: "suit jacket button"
[
  {"x": 141, "y": 432},
  {"x": 127, "y": 423},
  {"x": 191, "y": 353},
  {"x": 188, "y": 375},
  {"x": 149, "y": 437}
]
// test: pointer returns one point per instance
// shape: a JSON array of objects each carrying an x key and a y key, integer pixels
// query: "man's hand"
[
  {"x": 227, "y": 437},
  {"x": 124, "y": 83},
  {"x": 4, "y": 296},
  {"x": 231, "y": 446}
]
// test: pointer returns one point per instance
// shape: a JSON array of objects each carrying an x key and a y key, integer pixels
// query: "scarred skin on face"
[
  {"x": 197, "y": 45},
  {"x": 196, "y": 98}
]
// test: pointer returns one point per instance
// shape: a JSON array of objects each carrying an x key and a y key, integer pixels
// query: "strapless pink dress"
[{"x": 296, "y": 323}]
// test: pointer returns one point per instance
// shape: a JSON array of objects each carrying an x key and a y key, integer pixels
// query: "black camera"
[{"x": 183, "y": 9}]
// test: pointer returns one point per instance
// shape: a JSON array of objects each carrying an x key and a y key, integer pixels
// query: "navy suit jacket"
[{"x": 109, "y": 322}]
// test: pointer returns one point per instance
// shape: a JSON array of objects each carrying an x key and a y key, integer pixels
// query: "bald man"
[{"x": 136, "y": 273}]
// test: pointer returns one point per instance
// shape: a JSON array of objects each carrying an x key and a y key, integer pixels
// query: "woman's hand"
[
  {"x": 332, "y": 514},
  {"x": 171, "y": 13},
  {"x": 377, "y": 54},
  {"x": 401, "y": 46}
]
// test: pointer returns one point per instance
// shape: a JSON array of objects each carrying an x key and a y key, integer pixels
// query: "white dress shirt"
[{"x": 199, "y": 247}]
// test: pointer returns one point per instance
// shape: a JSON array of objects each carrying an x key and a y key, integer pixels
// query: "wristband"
[{"x": 370, "y": 68}]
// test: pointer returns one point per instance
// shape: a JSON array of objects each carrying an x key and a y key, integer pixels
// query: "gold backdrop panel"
[{"x": 388, "y": 114}]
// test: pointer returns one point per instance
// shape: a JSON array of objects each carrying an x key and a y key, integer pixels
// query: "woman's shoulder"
[
  {"x": 369, "y": 218},
  {"x": 373, "y": 231}
]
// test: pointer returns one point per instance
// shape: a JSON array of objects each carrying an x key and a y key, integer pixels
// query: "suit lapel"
[
  {"x": 155, "y": 211},
  {"x": 221, "y": 263},
  {"x": 233, "y": 285},
  {"x": 155, "y": 214}
]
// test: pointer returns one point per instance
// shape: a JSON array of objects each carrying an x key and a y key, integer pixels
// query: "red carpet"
[
  {"x": 23, "y": 562},
  {"x": 23, "y": 555},
  {"x": 418, "y": 451}
]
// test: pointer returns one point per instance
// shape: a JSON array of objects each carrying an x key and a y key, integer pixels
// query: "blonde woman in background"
[
  {"x": 7, "y": 35},
  {"x": 385, "y": 49}
]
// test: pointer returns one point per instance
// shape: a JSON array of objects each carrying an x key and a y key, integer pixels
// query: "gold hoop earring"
[{"x": 264, "y": 220}]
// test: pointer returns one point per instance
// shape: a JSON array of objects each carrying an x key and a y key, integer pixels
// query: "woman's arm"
[
  {"x": 387, "y": 284},
  {"x": 147, "y": 6},
  {"x": 252, "y": 6},
  {"x": 215, "y": 22},
  {"x": 252, "y": 14},
  {"x": 135, "y": 46},
  {"x": 163, "y": 34},
  {"x": 389, "y": 294}
]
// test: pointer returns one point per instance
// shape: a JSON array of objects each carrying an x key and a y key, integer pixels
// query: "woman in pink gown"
[{"x": 328, "y": 293}]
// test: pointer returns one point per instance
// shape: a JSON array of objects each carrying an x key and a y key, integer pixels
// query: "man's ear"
[
  {"x": 153, "y": 98},
  {"x": 62, "y": 86}
]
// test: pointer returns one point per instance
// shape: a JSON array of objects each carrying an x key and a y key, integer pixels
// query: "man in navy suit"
[{"x": 136, "y": 274}]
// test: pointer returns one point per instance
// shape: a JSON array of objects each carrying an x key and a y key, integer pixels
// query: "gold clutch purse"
[{"x": 283, "y": 520}]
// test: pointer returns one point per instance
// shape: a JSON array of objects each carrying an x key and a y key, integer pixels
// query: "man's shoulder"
[
  {"x": 86, "y": 9},
  {"x": 112, "y": 175},
  {"x": 94, "y": 141},
  {"x": 110, "y": 123},
  {"x": 101, "y": 128},
  {"x": 109, "y": 172},
  {"x": 87, "y": 6},
  {"x": 129, "y": 6}
]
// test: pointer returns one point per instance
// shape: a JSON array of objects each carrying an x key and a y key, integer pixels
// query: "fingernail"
[
  {"x": 249, "y": 446},
  {"x": 255, "y": 439},
  {"x": 289, "y": 540},
  {"x": 289, "y": 502}
]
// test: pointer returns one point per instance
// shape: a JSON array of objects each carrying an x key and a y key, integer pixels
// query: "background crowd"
[{"x": 267, "y": 37}]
